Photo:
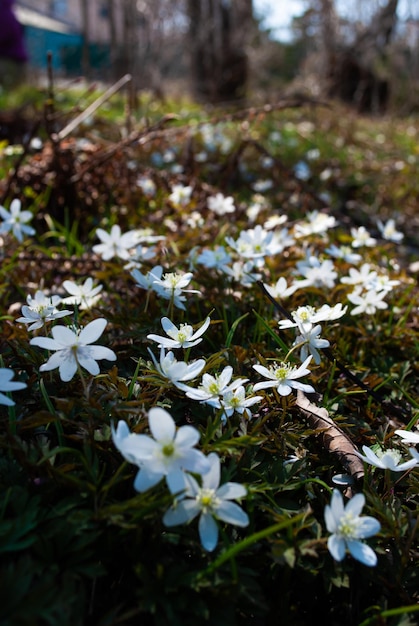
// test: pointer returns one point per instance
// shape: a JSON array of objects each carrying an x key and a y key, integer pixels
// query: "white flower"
[
  {"x": 274, "y": 221},
  {"x": 176, "y": 371},
  {"x": 147, "y": 281},
  {"x": 386, "y": 459},
  {"x": 310, "y": 342},
  {"x": 221, "y": 204},
  {"x": 283, "y": 377},
  {"x": 167, "y": 451},
  {"x": 303, "y": 318},
  {"x": 7, "y": 384},
  {"x": 73, "y": 349},
  {"x": 255, "y": 243},
  {"x": 364, "y": 277},
  {"x": 242, "y": 273},
  {"x": 115, "y": 244},
  {"x": 210, "y": 501},
  {"x": 85, "y": 295},
  {"x": 147, "y": 185},
  {"x": 41, "y": 309},
  {"x": 383, "y": 282},
  {"x": 361, "y": 237},
  {"x": 15, "y": 220},
  {"x": 318, "y": 223},
  {"x": 140, "y": 254},
  {"x": 212, "y": 387},
  {"x": 389, "y": 232},
  {"x": 181, "y": 195},
  {"x": 327, "y": 313},
  {"x": 172, "y": 286},
  {"x": 182, "y": 337},
  {"x": 217, "y": 258},
  {"x": 368, "y": 302},
  {"x": 408, "y": 436},
  {"x": 280, "y": 289},
  {"x": 344, "y": 252},
  {"x": 234, "y": 400},
  {"x": 348, "y": 528},
  {"x": 316, "y": 273}
]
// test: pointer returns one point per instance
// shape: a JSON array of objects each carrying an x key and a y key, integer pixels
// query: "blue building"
[{"x": 44, "y": 34}]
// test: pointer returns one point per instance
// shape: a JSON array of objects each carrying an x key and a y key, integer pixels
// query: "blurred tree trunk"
[
  {"x": 113, "y": 42},
  {"x": 218, "y": 31},
  {"x": 356, "y": 71},
  {"x": 85, "y": 54}
]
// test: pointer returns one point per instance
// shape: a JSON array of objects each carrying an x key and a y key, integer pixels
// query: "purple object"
[{"x": 12, "y": 45}]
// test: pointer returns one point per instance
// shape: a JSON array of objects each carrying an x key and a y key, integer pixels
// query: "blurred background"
[{"x": 364, "y": 52}]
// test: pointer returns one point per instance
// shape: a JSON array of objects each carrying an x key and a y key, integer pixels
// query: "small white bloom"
[
  {"x": 235, "y": 401},
  {"x": 386, "y": 459},
  {"x": 274, "y": 221},
  {"x": 327, "y": 313},
  {"x": 147, "y": 186},
  {"x": 210, "y": 501},
  {"x": 242, "y": 273},
  {"x": 148, "y": 280},
  {"x": 389, "y": 232},
  {"x": 361, "y": 237},
  {"x": 115, "y": 244},
  {"x": 409, "y": 436},
  {"x": 368, "y": 302},
  {"x": 218, "y": 258},
  {"x": 73, "y": 349},
  {"x": 344, "y": 252},
  {"x": 318, "y": 223},
  {"x": 85, "y": 296},
  {"x": 364, "y": 277},
  {"x": 41, "y": 309},
  {"x": 7, "y": 384},
  {"x": 303, "y": 318},
  {"x": 316, "y": 273},
  {"x": 383, "y": 282},
  {"x": 212, "y": 387},
  {"x": 172, "y": 286},
  {"x": 310, "y": 342},
  {"x": 182, "y": 337},
  {"x": 166, "y": 452},
  {"x": 348, "y": 528},
  {"x": 255, "y": 243},
  {"x": 181, "y": 195},
  {"x": 176, "y": 371},
  {"x": 283, "y": 377},
  {"x": 220, "y": 204},
  {"x": 16, "y": 221},
  {"x": 280, "y": 289}
]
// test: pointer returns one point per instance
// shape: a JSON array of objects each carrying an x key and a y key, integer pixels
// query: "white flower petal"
[
  {"x": 232, "y": 513},
  {"x": 336, "y": 546},
  {"x": 162, "y": 425},
  {"x": 363, "y": 553},
  {"x": 92, "y": 331},
  {"x": 208, "y": 532},
  {"x": 181, "y": 513}
]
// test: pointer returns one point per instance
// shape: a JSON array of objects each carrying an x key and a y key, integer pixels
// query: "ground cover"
[{"x": 209, "y": 349}]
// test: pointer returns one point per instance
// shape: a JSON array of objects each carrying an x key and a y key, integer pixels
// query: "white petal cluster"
[
  {"x": 73, "y": 349},
  {"x": 15, "y": 220},
  {"x": 348, "y": 528},
  {"x": 41, "y": 309}
]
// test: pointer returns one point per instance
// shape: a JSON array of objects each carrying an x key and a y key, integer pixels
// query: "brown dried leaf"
[{"x": 334, "y": 439}]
